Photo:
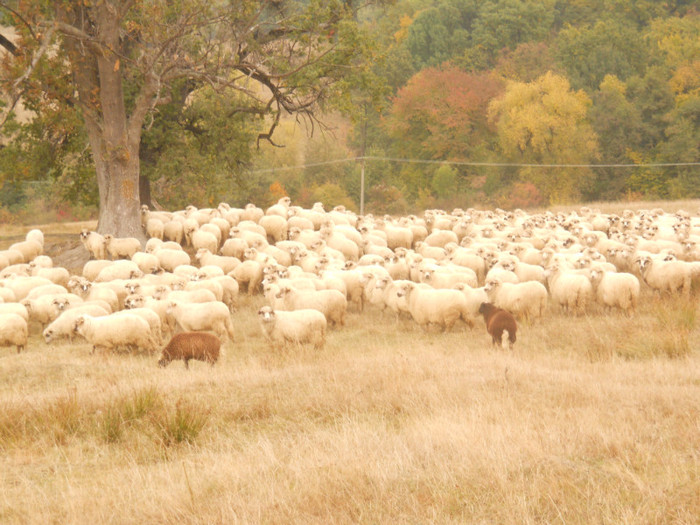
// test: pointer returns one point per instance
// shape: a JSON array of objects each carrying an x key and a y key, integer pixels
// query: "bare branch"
[
  {"x": 29, "y": 27},
  {"x": 45, "y": 41}
]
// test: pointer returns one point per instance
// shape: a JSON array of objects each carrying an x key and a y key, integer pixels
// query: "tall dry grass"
[{"x": 591, "y": 419}]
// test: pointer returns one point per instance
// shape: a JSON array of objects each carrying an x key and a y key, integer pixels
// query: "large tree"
[{"x": 114, "y": 62}]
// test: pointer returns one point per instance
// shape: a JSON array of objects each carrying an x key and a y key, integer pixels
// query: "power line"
[{"x": 475, "y": 164}]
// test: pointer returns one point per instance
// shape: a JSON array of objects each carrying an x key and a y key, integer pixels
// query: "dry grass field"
[{"x": 590, "y": 419}]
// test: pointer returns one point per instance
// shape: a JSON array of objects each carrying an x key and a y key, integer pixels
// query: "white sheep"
[
  {"x": 569, "y": 289},
  {"x": 428, "y": 307},
  {"x": 615, "y": 290},
  {"x": 298, "y": 326},
  {"x": 441, "y": 277},
  {"x": 94, "y": 243},
  {"x": 92, "y": 269},
  {"x": 155, "y": 228},
  {"x": 115, "y": 331},
  {"x": 667, "y": 276},
  {"x": 169, "y": 259},
  {"x": 527, "y": 300},
  {"x": 147, "y": 262},
  {"x": 35, "y": 235},
  {"x": 42, "y": 309},
  {"x": 14, "y": 308},
  {"x": 57, "y": 275},
  {"x": 29, "y": 249},
  {"x": 474, "y": 297},
  {"x": 249, "y": 275},
  {"x": 21, "y": 286},
  {"x": 197, "y": 317},
  {"x": 173, "y": 230},
  {"x": 205, "y": 239},
  {"x": 62, "y": 326},
  {"x": 45, "y": 289},
  {"x": 120, "y": 269},
  {"x": 331, "y": 303},
  {"x": 151, "y": 317},
  {"x": 275, "y": 227},
  {"x": 121, "y": 247},
  {"x": 207, "y": 258},
  {"x": 13, "y": 331}
]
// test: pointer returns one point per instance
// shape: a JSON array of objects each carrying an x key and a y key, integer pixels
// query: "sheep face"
[{"x": 267, "y": 314}]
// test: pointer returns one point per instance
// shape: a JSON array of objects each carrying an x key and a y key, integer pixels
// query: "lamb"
[
  {"x": 195, "y": 317},
  {"x": 298, "y": 326},
  {"x": 615, "y": 290},
  {"x": 191, "y": 345},
  {"x": 428, "y": 307},
  {"x": 500, "y": 325},
  {"x": 62, "y": 326},
  {"x": 527, "y": 300},
  {"x": 115, "y": 330},
  {"x": 94, "y": 243},
  {"x": 121, "y": 247},
  {"x": 331, "y": 303},
  {"x": 13, "y": 331}
]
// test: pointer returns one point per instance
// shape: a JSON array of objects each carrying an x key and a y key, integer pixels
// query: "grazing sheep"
[
  {"x": 201, "y": 346},
  {"x": 62, "y": 326},
  {"x": 147, "y": 262},
  {"x": 207, "y": 258},
  {"x": 13, "y": 331},
  {"x": 115, "y": 331},
  {"x": 169, "y": 259},
  {"x": 121, "y": 269},
  {"x": 92, "y": 269},
  {"x": 615, "y": 290},
  {"x": 195, "y": 317},
  {"x": 121, "y": 247},
  {"x": 527, "y": 300},
  {"x": 331, "y": 303},
  {"x": 573, "y": 291},
  {"x": 28, "y": 249},
  {"x": 21, "y": 286},
  {"x": 428, "y": 306},
  {"x": 298, "y": 326},
  {"x": 56, "y": 275},
  {"x": 500, "y": 325},
  {"x": 14, "y": 308}
]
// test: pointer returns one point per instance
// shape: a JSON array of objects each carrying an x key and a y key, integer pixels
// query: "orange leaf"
[{"x": 116, "y": 65}]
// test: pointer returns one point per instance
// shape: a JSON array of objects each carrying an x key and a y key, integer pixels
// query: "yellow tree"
[{"x": 544, "y": 122}]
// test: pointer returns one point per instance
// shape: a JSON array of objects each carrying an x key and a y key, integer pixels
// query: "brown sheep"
[
  {"x": 191, "y": 345},
  {"x": 499, "y": 323}
]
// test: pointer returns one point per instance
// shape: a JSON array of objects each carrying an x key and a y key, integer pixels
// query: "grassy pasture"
[{"x": 591, "y": 419}]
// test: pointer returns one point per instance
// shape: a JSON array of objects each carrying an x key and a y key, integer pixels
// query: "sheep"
[
  {"x": 96, "y": 292},
  {"x": 14, "y": 308},
  {"x": 615, "y": 290},
  {"x": 204, "y": 239},
  {"x": 94, "y": 243},
  {"x": 474, "y": 297},
  {"x": 440, "y": 277},
  {"x": 92, "y": 269},
  {"x": 173, "y": 230},
  {"x": 169, "y": 259},
  {"x": 11, "y": 257},
  {"x": 206, "y": 284},
  {"x": 151, "y": 317},
  {"x": 155, "y": 228},
  {"x": 21, "y": 286},
  {"x": 147, "y": 262},
  {"x": 185, "y": 296},
  {"x": 62, "y": 326},
  {"x": 13, "y": 331},
  {"x": 115, "y": 330},
  {"x": 201, "y": 346},
  {"x": 206, "y": 258},
  {"x": 121, "y": 269},
  {"x": 248, "y": 274},
  {"x": 573, "y": 291},
  {"x": 500, "y": 325},
  {"x": 194, "y": 317},
  {"x": 428, "y": 307},
  {"x": 35, "y": 235},
  {"x": 275, "y": 227},
  {"x": 42, "y": 310},
  {"x": 234, "y": 247},
  {"x": 121, "y": 247},
  {"x": 29, "y": 249},
  {"x": 331, "y": 303},
  {"x": 159, "y": 306},
  {"x": 7, "y": 295},
  {"x": 56, "y": 275},
  {"x": 281, "y": 208},
  {"x": 45, "y": 289},
  {"x": 527, "y": 300},
  {"x": 298, "y": 326},
  {"x": 666, "y": 276}
]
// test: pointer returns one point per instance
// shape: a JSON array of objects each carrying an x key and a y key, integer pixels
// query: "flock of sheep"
[{"x": 312, "y": 265}]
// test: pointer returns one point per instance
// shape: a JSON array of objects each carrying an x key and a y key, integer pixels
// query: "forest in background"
[{"x": 514, "y": 82}]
